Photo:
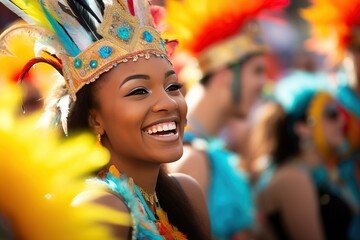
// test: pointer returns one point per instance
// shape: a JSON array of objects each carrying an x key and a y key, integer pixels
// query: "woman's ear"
[
  {"x": 303, "y": 130},
  {"x": 95, "y": 122},
  {"x": 223, "y": 78}
]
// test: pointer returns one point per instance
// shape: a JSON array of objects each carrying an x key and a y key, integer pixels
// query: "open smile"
[{"x": 163, "y": 131}]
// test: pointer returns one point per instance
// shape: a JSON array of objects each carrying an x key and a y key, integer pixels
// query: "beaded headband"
[{"x": 123, "y": 39}]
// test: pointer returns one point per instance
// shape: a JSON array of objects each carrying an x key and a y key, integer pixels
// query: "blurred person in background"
[
  {"x": 298, "y": 196},
  {"x": 335, "y": 34},
  {"x": 227, "y": 42}
]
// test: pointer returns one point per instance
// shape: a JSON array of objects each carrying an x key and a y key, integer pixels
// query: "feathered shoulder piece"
[
  {"x": 216, "y": 31},
  {"x": 335, "y": 27},
  {"x": 89, "y": 37}
]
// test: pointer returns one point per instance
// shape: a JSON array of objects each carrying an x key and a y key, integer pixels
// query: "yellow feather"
[
  {"x": 40, "y": 174},
  {"x": 29, "y": 9}
]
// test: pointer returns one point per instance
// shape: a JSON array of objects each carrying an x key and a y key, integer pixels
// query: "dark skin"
[{"x": 132, "y": 100}]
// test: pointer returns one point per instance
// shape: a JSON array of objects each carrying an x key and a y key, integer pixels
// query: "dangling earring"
[
  {"x": 306, "y": 144},
  {"x": 98, "y": 139}
]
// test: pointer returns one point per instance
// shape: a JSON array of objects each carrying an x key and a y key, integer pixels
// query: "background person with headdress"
[
  {"x": 297, "y": 196},
  {"x": 119, "y": 84},
  {"x": 227, "y": 43},
  {"x": 335, "y": 33}
]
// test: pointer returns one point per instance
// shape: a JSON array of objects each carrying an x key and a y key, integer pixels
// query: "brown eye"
[
  {"x": 138, "y": 91},
  {"x": 174, "y": 87},
  {"x": 259, "y": 70}
]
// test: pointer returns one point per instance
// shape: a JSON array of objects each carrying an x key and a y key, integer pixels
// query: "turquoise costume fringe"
[
  {"x": 120, "y": 185},
  {"x": 229, "y": 197}
]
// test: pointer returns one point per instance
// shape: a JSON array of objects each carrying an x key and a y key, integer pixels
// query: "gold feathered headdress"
[{"x": 217, "y": 32}]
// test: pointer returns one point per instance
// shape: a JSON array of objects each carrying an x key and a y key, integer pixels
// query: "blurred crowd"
[{"x": 276, "y": 152}]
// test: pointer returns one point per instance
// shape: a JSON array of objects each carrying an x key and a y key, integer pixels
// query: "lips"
[{"x": 162, "y": 129}]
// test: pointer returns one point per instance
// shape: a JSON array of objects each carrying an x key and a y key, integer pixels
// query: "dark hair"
[
  {"x": 176, "y": 204},
  {"x": 172, "y": 198},
  {"x": 240, "y": 62},
  {"x": 287, "y": 141},
  {"x": 78, "y": 119}
]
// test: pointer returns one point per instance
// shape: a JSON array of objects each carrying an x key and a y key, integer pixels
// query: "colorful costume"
[
  {"x": 306, "y": 96},
  {"x": 229, "y": 197},
  {"x": 220, "y": 34},
  {"x": 145, "y": 224},
  {"x": 335, "y": 26},
  {"x": 82, "y": 40}
]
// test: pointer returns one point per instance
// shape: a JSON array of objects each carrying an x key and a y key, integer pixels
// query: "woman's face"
[
  {"x": 140, "y": 111},
  {"x": 332, "y": 125},
  {"x": 253, "y": 78}
]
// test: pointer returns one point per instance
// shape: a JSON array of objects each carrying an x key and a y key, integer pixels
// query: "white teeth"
[
  {"x": 172, "y": 126},
  {"x": 162, "y": 127},
  {"x": 168, "y": 134}
]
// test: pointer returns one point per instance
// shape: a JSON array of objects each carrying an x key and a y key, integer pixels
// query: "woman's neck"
[
  {"x": 311, "y": 157},
  {"x": 206, "y": 121},
  {"x": 145, "y": 175}
]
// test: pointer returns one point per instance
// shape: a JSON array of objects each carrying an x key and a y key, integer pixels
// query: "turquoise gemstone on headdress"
[
  {"x": 77, "y": 63},
  {"x": 93, "y": 63},
  {"x": 105, "y": 51},
  {"x": 147, "y": 36},
  {"x": 123, "y": 33}
]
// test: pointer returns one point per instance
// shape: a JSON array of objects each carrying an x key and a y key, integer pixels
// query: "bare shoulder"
[
  {"x": 193, "y": 163},
  {"x": 102, "y": 198},
  {"x": 191, "y": 158},
  {"x": 120, "y": 222},
  {"x": 290, "y": 176},
  {"x": 195, "y": 195},
  {"x": 190, "y": 186},
  {"x": 290, "y": 182}
]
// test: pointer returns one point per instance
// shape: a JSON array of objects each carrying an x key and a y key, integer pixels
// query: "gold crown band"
[{"x": 123, "y": 39}]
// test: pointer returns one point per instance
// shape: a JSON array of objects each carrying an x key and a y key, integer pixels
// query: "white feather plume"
[{"x": 64, "y": 105}]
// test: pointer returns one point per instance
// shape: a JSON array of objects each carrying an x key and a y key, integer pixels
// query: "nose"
[{"x": 165, "y": 102}]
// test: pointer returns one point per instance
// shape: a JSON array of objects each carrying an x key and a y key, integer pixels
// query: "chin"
[{"x": 169, "y": 155}]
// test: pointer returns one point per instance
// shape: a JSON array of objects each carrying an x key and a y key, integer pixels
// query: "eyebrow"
[
  {"x": 145, "y": 77},
  {"x": 136, "y": 76},
  {"x": 169, "y": 73}
]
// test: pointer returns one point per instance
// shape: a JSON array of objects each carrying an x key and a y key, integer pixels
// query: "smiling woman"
[{"x": 120, "y": 85}]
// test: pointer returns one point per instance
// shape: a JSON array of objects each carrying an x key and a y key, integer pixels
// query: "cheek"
[{"x": 182, "y": 106}]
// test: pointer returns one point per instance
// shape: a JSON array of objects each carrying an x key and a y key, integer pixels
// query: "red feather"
[
  {"x": 228, "y": 25},
  {"x": 54, "y": 63},
  {"x": 131, "y": 7}
]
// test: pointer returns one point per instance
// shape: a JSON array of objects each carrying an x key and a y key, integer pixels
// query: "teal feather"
[{"x": 63, "y": 37}]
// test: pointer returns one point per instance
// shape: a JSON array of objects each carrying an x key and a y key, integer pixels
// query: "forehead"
[{"x": 152, "y": 66}]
